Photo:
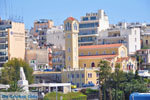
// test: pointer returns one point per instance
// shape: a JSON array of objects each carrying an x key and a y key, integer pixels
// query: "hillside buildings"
[
  {"x": 56, "y": 36},
  {"x": 130, "y": 37},
  {"x": 12, "y": 40},
  {"x": 145, "y": 37},
  {"x": 90, "y": 26},
  {"x": 143, "y": 56},
  {"x": 42, "y": 24},
  {"x": 80, "y": 68}
]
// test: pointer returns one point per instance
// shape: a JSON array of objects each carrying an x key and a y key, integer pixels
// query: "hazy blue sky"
[{"x": 59, "y": 10}]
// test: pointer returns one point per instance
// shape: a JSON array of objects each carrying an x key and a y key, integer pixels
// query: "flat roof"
[
  {"x": 45, "y": 72},
  {"x": 49, "y": 84}
]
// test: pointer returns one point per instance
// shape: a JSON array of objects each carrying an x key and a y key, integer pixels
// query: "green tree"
[
  {"x": 104, "y": 74},
  {"x": 10, "y": 73},
  {"x": 139, "y": 61}
]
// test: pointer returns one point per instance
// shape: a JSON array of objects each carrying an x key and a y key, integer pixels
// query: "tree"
[
  {"x": 11, "y": 72},
  {"x": 104, "y": 73},
  {"x": 139, "y": 61}
]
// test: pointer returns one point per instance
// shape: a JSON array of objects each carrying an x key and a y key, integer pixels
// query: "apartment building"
[
  {"x": 90, "y": 26},
  {"x": 56, "y": 36},
  {"x": 42, "y": 24},
  {"x": 130, "y": 37},
  {"x": 12, "y": 40},
  {"x": 58, "y": 58},
  {"x": 38, "y": 59},
  {"x": 145, "y": 37},
  {"x": 143, "y": 56},
  {"x": 40, "y": 31}
]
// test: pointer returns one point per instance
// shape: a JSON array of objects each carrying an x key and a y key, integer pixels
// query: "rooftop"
[{"x": 71, "y": 18}]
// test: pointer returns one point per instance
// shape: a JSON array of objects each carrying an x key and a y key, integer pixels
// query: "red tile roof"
[
  {"x": 125, "y": 58},
  {"x": 71, "y": 18},
  {"x": 98, "y": 56},
  {"x": 100, "y": 46},
  {"x": 122, "y": 59}
]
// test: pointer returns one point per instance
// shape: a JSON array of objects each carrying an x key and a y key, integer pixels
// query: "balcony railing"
[
  {"x": 86, "y": 40},
  {"x": 87, "y": 33}
]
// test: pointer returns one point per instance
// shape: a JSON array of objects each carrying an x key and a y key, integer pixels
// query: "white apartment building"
[
  {"x": 130, "y": 37},
  {"x": 90, "y": 25},
  {"x": 56, "y": 36}
]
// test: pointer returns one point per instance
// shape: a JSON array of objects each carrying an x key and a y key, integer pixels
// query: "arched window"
[
  {"x": 68, "y": 27},
  {"x": 93, "y": 64},
  {"x": 75, "y": 26}
]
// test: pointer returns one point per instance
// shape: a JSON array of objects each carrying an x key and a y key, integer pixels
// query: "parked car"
[
  {"x": 89, "y": 85},
  {"x": 73, "y": 86},
  {"x": 48, "y": 70}
]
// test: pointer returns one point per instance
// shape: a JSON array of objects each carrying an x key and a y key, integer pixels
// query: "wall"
[{"x": 16, "y": 41}]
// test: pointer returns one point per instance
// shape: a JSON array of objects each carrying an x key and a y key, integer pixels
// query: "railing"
[
  {"x": 87, "y": 33},
  {"x": 86, "y": 40}
]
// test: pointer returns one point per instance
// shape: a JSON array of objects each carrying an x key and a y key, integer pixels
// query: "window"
[
  {"x": 69, "y": 58},
  {"x": 88, "y": 25},
  {"x": 68, "y": 27},
  {"x": 135, "y": 39},
  {"x": 93, "y": 18},
  {"x": 113, "y": 52},
  {"x": 122, "y": 53},
  {"x": 89, "y": 53},
  {"x": 96, "y": 52},
  {"x": 84, "y": 65},
  {"x": 135, "y": 47},
  {"x": 135, "y": 32},
  {"x": 82, "y": 75},
  {"x": 81, "y": 54},
  {"x": 68, "y": 75},
  {"x": 146, "y": 42},
  {"x": 104, "y": 52},
  {"x": 97, "y": 74},
  {"x": 77, "y": 75},
  {"x": 93, "y": 64},
  {"x": 89, "y": 75},
  {"x": 69, "y": 49},
  {"x": 72, "y": 75},
  {"x": 75, "y": 26},
  {"x": 69, "y": 36},
  {"x": 77, "y": 84},
  {"x": 85, "y": 18}
]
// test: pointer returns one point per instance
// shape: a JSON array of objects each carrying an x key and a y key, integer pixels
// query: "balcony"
[
  {"x": 87, "y": 34},
  {"x": 86, "y": 42},
  {"x": 3, "y": 35},
  {"x": 3, "y": 42}
]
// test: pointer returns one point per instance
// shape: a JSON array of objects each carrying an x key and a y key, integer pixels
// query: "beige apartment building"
[
  {"x": 12, "y": 40},
  {"x": 42, "y": 23}
]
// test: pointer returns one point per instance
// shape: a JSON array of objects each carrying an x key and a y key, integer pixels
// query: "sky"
[{"x": 59, "y": 10}]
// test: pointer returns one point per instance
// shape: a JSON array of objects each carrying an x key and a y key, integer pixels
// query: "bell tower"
[{"x": 71, "y": 27}]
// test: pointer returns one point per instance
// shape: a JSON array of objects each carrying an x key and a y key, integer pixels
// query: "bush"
[{"x": 68, "y": 96}]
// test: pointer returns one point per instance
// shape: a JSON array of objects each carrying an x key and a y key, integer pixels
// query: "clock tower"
[{"x": 71, "y": 27}]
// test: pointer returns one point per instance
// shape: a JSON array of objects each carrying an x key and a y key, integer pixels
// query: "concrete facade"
[
  {"x": 130, "y": 37},
  {"x": 71, "y": 42},
  {"x": 56, "y": 36},
  {"x": 90, "y": 26},
  {"x": 12, "y": 40}
]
